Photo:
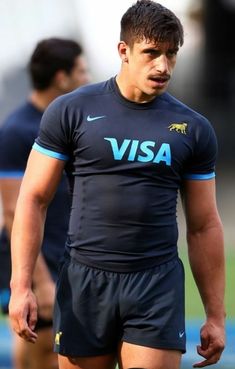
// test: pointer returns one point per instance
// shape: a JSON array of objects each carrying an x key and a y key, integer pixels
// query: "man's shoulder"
[
  {"x": 17, "y": 135},
  {"x": 175, "y": 105},
  {"x": 94, "y": 88},
  {"x": 84, "y": 93},
  {"x": 19, "y": 118}
]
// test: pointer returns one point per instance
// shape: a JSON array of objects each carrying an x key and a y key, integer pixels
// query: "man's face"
[
  {"x": 78, "y": 76},
  {"x": 149, "y": 68}
]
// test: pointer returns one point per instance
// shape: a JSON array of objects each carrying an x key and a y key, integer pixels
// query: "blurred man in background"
[{"x": 57, "y": 66}]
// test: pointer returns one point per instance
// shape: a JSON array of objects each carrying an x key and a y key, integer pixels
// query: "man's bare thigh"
[
  {"x": 140, "y": 357},
  {"x": 41, "y": 353},
  {"x": 96, "y": 362}
]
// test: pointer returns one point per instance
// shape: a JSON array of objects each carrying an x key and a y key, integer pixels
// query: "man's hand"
[
  {"x": 212, "y": 343},
  {"x": 45, "y": 294},
  {"x": 23, "y": 313}
]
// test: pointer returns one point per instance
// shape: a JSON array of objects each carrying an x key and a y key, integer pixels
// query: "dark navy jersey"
[
  {"x": 125, "y": 162},
  {"x": 17, "y": 136}
]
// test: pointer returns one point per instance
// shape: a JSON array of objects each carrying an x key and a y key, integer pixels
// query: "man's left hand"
[{"x": 212, "y": 343}]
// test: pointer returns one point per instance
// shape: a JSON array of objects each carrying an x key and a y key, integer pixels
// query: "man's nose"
[{"x": 162, "y": 64}]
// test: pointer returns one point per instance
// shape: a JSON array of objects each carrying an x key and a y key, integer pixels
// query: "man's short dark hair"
[
  {"x": 151, "y": 21},
  {"x": 50, "y": 56}
]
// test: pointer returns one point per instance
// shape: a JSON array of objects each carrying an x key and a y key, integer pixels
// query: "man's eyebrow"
[
  {"x": 158, "y": 48},
  {"x": 151, "y": 48}
]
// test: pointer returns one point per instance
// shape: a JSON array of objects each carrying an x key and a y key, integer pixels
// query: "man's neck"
[
  {"x": 41, "y": 99},
  {"x": 130, "y": 91}
]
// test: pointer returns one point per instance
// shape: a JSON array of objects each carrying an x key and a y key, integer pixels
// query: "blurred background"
[{"x": 204, "y": 78}]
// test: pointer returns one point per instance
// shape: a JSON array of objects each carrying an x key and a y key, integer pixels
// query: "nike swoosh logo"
[
  {"x": 181, "y": 334},
  {"x": 91, "y": 119}
]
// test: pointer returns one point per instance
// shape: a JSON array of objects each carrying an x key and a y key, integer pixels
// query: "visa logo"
[{"x": 140, "y": 151}]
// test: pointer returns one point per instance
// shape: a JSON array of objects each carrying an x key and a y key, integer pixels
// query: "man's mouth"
[{"x": 160, "y": 79}]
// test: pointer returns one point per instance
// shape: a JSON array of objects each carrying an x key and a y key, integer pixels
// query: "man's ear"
[
  {"x": 123, "y": 51},
  {"x": 61, "y": 80}
]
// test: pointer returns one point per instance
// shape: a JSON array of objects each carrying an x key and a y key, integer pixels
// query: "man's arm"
[
  {"x": 9, "y": 192},
  {"x": 44, "y": 286},
  {"x": 206, "y": 256},
  {"x": 39, "y": 184}
]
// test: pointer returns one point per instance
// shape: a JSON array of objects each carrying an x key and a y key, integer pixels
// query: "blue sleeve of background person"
[
  {"x": 202, "y": 164},
  {"x": 14, "y": 152},
  {"x": 17, "y": 136}
]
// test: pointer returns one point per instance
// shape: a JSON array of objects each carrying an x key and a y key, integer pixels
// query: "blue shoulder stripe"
[
  {"x": 199, "y": 176},
  {"x": 12, "y": 174},
  {"x": 50, "y": 153}
]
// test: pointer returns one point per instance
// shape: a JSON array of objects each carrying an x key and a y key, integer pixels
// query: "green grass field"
[{"x": 194, "y": 308}]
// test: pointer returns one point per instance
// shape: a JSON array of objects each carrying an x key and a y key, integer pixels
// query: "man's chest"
[{"x": 133, "y": 138}]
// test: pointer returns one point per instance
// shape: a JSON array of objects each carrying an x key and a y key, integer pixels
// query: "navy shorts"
[
  {"x": 5, "y": 275},
  {"x": 96, "y": 309},
  {"x": 42, "y": 324}
]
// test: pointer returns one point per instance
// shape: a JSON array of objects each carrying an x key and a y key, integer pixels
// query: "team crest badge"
[
  {"x": 57, "y": 338},
  {"x": 178, "y": 127}
]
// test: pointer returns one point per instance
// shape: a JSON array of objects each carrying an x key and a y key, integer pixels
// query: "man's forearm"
[
  {"x": 206, "y": 255},
  {"x": 26, "y": 239}
]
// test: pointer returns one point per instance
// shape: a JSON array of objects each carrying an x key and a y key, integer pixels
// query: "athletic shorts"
[
  {"x": 5, "y": 275},
  {"x": 43, "y": 323},
  {"x": 96, "y": 309}
]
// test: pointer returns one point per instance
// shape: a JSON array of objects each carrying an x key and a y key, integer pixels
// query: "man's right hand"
[{"x": 23, "y": 313}]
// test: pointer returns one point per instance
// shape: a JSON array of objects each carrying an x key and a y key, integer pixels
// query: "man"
[
  {"x": 127, "y": 147},
  {"x": 56, "y": 67}
]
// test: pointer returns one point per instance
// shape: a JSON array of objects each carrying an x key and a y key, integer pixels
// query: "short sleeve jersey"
[
  {"x": 17, "y": 135},
  {"x": 126, "y": 163}
]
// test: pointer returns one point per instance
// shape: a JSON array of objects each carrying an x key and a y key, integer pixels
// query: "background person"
[
  {"x": 129, "y": 148},
  {"x": 57, "y": 66}
]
